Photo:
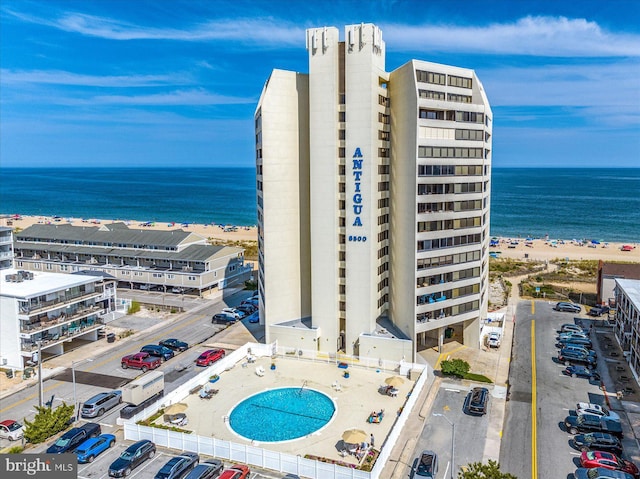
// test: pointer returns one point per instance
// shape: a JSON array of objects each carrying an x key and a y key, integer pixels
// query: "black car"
[
  {"x": 132, "y": 457},
  {"x": 568, "y": 307},
  {"x": 209, "y": 469},
  {"x": 592, "y": 423},
  {"x": 224, "y": 318},
  {"x": 178, "y": 466},
  {"x": 581, "y": 372},
  {"x": 573, "y": 357},
  {"x": 598, "y": 441},
  {"x": 174, "y": 344},
  {"x": 598, "y": 311},
  {"x": 247, "y": 308},
  {"x": 476, "y": 402},
  {"x": 71, "y": 439},
  {"x": 158, "y": 351}
]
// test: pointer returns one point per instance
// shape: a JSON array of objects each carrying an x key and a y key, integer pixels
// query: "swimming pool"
[{"x": 281, "y": 414}]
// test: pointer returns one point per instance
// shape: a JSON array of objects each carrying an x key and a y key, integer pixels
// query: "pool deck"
[{"x": 357, "y": 397}]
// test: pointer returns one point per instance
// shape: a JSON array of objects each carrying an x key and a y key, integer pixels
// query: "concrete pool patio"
[{"x": 355, "y": 398}]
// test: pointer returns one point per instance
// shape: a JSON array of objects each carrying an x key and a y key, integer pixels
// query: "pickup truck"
[
  {"x": 142, "y": 361},
  {"x": 591, "y": 423},
  {"x": 71, "y": 439}
]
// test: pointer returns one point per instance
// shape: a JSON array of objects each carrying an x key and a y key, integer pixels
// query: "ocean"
[{"x": 601, "y": 204}]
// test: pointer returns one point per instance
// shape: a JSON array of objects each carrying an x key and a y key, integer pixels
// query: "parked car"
[
  {"x": 101, "y": 403},
  {"x": 596, "y": 410},
  {"x": 576, "y": 341},
  {"x": 598, "y": 311},
  {"x": 570, "y": 357},
  {"x": 607, "y": 460},
  {"x": 253, "y": 301},
  {"x": 142, "y": 361},
  {"x": 224, "y": 318},
  {"x": 132, "y": 457},
  {"x": 237, "y": 471},
  {"x": 209, "y": 469},
  {"x": 573, "y": 327},
  {"x": 247, "y": 308},
  {"x": 233, "y": 312},
  {"x": 10, "y": 429},
  {"x": 571, "y": 334},
  {"x": 210, "y": 356},
  {"x": 567, "y": 307},
  {"x": 254, "y": 318},
  {"x": 92, "y": 448},
  {"x": 592, "y": 423},
  {"x": 178, "y": 466},
  {"x": 493, "y": 340},
  {"x": 427, "y": 464},
  {"x": 579, "y": 349},
  {"x": 71, "y": 439},
  {"x": 476, "y": 402},
  {"x": 158, "y": 351},
  {"x": 581, "y": 372},
  {"x": 600, "y": 473},
  {"x": 174, "y": 344},
  {"x": 598, "y": 441},
  {"x": 178, "y": 290}
]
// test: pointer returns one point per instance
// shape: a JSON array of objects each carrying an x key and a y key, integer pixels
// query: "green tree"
[
  {"x": 47, "y": 422},
  {"x": 455, "y": 367},
  {"x": 477, "y": 470}
]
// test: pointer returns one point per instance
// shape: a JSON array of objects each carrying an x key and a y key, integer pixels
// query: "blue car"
[{"x": 91, "y": 448}]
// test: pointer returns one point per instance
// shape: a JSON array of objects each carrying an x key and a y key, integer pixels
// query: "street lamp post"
[
  {"x": 73, "y": 379},
  {"x": 453, "y": 440}
]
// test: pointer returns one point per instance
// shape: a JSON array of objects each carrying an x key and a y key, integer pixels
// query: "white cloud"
[
  {"x": 539, "y": 36},
  {"x": 257, "y": 31},
  {"x": 57, "y": 77}
]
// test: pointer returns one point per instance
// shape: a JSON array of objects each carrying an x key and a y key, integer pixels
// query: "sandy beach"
[{"x": 534, "y": 250}]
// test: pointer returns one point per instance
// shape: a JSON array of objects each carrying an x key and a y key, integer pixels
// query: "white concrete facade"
[
  {"x": 388, "y": 231},
  {"x": 49, "y": 310}
]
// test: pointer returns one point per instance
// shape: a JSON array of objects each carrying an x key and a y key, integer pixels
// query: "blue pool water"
[{"x": 281, "y": 414}]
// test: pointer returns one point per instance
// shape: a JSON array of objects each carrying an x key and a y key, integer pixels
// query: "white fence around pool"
[{"x": 257, "y": 456}]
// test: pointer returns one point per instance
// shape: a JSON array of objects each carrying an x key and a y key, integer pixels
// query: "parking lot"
[{"x": 99, "y": 468}]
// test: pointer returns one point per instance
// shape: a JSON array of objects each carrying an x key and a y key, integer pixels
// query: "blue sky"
[{"x": 175, "y": 83}]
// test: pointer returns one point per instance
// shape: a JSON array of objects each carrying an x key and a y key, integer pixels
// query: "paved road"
[{"x": 556, "y": 395}]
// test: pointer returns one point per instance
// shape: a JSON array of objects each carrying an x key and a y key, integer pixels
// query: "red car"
[
  {"x": 237, "y": 471},
  {"x": 608, "y": 460},
  {"x": 209, "y": 357}
]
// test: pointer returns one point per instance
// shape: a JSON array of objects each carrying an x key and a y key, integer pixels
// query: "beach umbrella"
[
  {"x": 176, "y": 408},
  {"x": 595, "y": 242},
  {"x": 394, "y": 381},
  {"x": 354, "y": 436}
]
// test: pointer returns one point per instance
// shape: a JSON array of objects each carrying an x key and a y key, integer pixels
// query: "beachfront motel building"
[{"x": 373, "y": 192}]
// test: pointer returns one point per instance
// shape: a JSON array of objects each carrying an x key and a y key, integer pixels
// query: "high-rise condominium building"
[{"x": 373, "y": 201}]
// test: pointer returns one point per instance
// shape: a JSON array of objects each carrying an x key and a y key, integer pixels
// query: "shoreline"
[{"x": 532, "y": 249}]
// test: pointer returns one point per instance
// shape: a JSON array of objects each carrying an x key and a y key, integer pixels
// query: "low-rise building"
[
  {"x": 6, "y": 248},
  {"x": 176, "y": 260},
  {"x": 627, "y": 322},
  {"x": 48, "y": 313}
]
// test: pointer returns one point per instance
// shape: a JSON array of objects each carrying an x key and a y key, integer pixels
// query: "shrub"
[
  {"x": 48, "y": 422},
  {"x": 134, "y": 308},
  {"x": 15, "y": 450},
  {"x": 477, "y": 377},
  {"x": 454, "y": 367}
]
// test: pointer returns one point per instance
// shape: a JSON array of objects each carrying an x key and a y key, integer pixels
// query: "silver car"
[{"x": 101, "y": 403}]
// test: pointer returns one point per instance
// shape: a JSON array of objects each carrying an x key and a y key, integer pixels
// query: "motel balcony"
[
  {"x": 60, "y": 334},
  {"x": 34, "y": 305},
  {"x": 65, "y": 318}
]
